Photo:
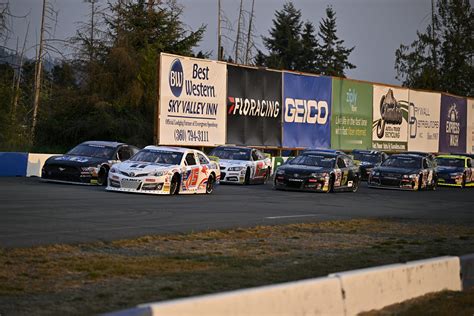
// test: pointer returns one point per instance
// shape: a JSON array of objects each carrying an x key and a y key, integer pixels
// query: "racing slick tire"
[
  {"x": 174, "y": 185},
  {"x": 420, "y": 183},
  {"x": 267, "y": 176},
  {"x": 210, "y": 184},
  {"x": 103, "y": 175},
  {"x": 463, "y": 183},
  {"x": 247, "y": 177},
  {"x": 331, "y": 185},
  {"x": 355, "y": 185}
]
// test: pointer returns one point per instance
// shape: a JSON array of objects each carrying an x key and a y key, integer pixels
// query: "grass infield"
[{"x": 103, "y": 277}]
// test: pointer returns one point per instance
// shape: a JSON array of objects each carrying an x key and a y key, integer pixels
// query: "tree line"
[{"x": 108, "y": 89}]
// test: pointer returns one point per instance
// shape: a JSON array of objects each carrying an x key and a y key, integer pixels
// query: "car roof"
[
  {"x": 367, "y": 151},
  {"x": 418, "y": 153},
  {"x": 236, "y": 147},
  {"x": 169, "y": 148},
  {"x": 102, "y": 143},
  {"x": 317, "y": 152},
  {"x": 323, "y": 150}
]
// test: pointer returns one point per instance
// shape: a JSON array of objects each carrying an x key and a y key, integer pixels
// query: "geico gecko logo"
[
  {"x": 306, "y": 111},
  {"x": 176, "y": 77},
  {"x": 252, "y": 107}
]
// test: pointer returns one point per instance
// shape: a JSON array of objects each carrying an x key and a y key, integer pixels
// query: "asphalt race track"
[{"x": 37, "y": 213}]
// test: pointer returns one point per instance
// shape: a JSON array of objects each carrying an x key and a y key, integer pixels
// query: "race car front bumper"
[{"x": 302, "y": 184}]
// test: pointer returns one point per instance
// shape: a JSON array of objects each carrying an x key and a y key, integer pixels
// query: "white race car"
[
  {"x": 242, "y": 165},
  {"x": 165, "y": 170}
]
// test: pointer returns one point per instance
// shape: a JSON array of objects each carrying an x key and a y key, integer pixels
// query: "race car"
[
  {"x": 367, "y": 160},
  {"x": 242, "y": 165},
  {"x": 87, "y": 163},
  {"x": 165, "y": 170},
  {"x": 322, "y": 171},
  {"x": 405, "y": 172},
  {"x": 455, "y": 171}
]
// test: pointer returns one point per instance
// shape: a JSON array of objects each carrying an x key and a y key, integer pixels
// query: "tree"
[
  {"x": 441, "y": 58},
  {"x": 309, "y": 57},
  {"x": 333, "y": 56},
  {"x": 284, "y": 43}
]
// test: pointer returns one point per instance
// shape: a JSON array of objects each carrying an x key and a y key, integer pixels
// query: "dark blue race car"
[{"x": 367, "y": 160}]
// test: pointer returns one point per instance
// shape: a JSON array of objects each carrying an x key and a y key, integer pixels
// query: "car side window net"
[{"x": 190, "y": 160}]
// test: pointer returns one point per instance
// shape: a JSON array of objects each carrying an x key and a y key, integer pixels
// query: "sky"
[{"x": 375, "y": 27}]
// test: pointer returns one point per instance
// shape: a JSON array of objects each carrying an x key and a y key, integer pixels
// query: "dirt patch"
[{"x": 100, "y": 277}]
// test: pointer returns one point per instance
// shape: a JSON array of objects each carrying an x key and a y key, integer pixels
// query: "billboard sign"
[
  {"x": 390, "y": 115},
  {"x": 351, "y": 117},
  {"x": 423, "y": 121},
  {"x": 192, "y": 101},
  {"x": 253, "y": 107},
  {"x": 453, "y": 121},
  {"x": 306, "y": 111}
]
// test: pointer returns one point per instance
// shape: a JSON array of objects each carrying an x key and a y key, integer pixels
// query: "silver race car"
[
  {"x": 165, "y": 170},
  {"x": 242, "y": 165}
]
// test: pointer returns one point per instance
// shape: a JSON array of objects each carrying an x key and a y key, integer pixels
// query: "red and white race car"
[
  {"x": 165, "y": 170},
  {"x": 242, "y": 165}
]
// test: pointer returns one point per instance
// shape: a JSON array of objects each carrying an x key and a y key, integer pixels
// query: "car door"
[
  {"x": 469, "y": 170},
  {"x": 341, "y": 173},
  {"x": 191, "y": 177},
  {"x": 427, "y": 172},
  {"x": 205, "y": 171}
]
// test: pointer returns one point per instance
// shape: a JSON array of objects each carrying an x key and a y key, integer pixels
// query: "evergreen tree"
[
  {"x": 441, "y": 58},
  {"x": 333, "y": 56},
  {"x": 309, "y": 58},
  {"x": 284, "y": 43}
]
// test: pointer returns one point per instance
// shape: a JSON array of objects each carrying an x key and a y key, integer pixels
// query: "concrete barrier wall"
[
  {"x": 345, "y": 293},
  {"x": 35, "y": 164},
  {"x": 467, "y": 271},
  {"x": 13, "y": 164},
  {"x": 375, "y": 288},
  {"x": 321, "y": 296}
]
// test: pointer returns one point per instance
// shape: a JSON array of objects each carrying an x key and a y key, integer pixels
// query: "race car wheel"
[
  {"x": 102, "y": 175},
  {"x": 247, "y": 176},
  {"x": 355, "y": 185},
  {"x": 434, "y": 185},
  {"x": 210, "y": 184},
  {"x": 267, "y": 176},
  {"x": 174, "y": 186},
  {"x": 331, "y": 184},
  {"x": 463, "y": 183},
  {"x": 420, "y": 183}
]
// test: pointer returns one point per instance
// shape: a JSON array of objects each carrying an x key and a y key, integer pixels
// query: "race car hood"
[
  {"x": 143, "y": 167},
  {"x": 400, "y": 171},
  {"x": 232, "y": 163},
  {"x": 75, "y": 161},
  {"x": 446, "y": 169},
  {"x": 303, "y": 169}
]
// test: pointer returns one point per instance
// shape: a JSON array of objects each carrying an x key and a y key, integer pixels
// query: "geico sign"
[{"x": 306, "y": 111}]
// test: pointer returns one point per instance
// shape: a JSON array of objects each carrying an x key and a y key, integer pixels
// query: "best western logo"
[
  {"x": 251, "y": 107},
  {"x": 192, "y": 88},
  {"x": 306, "y": 111}
]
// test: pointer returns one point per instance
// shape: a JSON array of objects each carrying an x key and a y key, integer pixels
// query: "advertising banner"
[
  {"x": 423, "y": 121},
  {"x": 191, "y": 101},
  {"x": 470, "y": 126},
  {"x": 351, "y": 115},
  {"x": 306, "y": 111},
  {"x": 453, "y": 121},
  {"x": 390, "y": 115},
  {"x": 253, "y": 107}
]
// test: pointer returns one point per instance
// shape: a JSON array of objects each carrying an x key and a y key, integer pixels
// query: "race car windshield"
[
  {"x": 450, "y": 162},
  {"x": 155, "y": 156},
  {"x": 313, "y": 161},
  {"x": 367, "y": 157},
  {"x": 403, "y": 162},
  {"x": 231, "y": 154},
  {"x": 95, "y": 151}
]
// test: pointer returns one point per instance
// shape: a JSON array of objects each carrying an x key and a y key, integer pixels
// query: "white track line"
[{"x": 290, "y": 216}]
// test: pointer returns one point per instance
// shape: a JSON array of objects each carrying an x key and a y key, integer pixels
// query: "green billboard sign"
[{"x": 351, "y": 120}]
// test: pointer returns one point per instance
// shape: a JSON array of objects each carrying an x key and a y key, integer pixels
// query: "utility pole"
[
  {"x": 238, "y": 34},
  {"x": 39, "y": 68},
  {"x": 219, "y": 51},
  {"x": 247, "y": 51},
  {"x": 435, "y": 61}
]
